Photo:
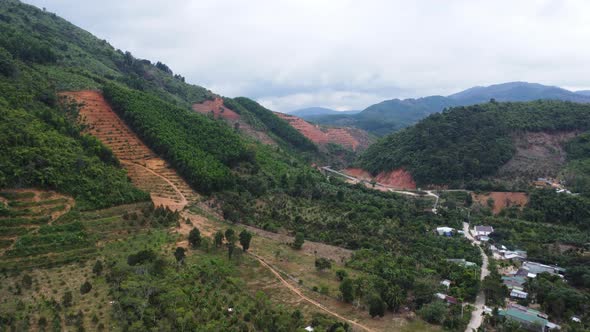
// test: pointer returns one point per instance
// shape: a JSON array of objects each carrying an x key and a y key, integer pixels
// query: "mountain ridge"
[{"x": 394, "y": 114}]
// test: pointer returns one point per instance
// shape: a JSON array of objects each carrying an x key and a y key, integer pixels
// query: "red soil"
[
  {"x": 218, "y": 109},
  {"x": 348, "y": 137},
  {"x": 398, "y": 178},
  {"x": 146, "y": 170},
  {"x": 502, "y": 199}
]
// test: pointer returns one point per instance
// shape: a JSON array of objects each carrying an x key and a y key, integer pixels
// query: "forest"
[{"x": 464, "y": 144}]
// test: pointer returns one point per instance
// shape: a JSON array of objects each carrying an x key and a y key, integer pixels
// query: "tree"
[
  {"x": 179, "y": 254},
  {"x": 347, "y": 290},
  {"x": 245, "y": 238},
  {"x": 97, "y": 268},
  {"x": 376, "y": 306},
  {"x": 194, "y": 238},
  {"x": 85, "y": 288},
  {"x": 434, "y": 312},
  {"x": 67, "y": 299},
  {"x": 322, "y": 264},
  {"x": 230, "y": 235},
  {"x": 299, "y": 240},
  {"x": 218, "y": 238}
]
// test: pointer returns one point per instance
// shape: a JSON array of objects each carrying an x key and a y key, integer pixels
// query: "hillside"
[
  {"x": 392, "y": 115},
  {"x": 465, "y": 144}
]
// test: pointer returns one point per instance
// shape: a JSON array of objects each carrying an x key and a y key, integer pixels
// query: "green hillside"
[{"x": 468, "y": 143}]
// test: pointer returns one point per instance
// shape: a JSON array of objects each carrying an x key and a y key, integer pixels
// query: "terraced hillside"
[
  {"x": 24, "y": 211},
  {"x": 147, "y": 171}
]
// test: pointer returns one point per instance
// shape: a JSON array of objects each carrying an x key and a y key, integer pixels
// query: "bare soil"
[
  {"x": 146, "y": 170},
  {"x": 502, "y": 200},
  {"x": 218, "y": 110},
  {"x": 397, "y": 178},
  {"x": 351, "y": 138}
]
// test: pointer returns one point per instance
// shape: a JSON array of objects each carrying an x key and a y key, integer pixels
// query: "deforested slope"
[
  {"x": 466, "y": 144},
  {"x": 147, "y": 171}
]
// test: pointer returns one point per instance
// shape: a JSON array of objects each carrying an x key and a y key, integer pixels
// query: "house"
[
  {"x": 483, "y": 238},
  {"x": 446, "y": 283},
  {"x": 446, "y": 231},
  {"x": 514, "y": 282},
  {"x": 448, "y": 299},
  {"x": 482, "y": 230},
  {"x": 309, "y": 329},
  {"x": 514, "y": 256},
  {"x": 576, "y": 319},
  {"x": 461, "y": 261},
  {"x": 529, "y": 319},
  {"x": 536, "y": 268},
  {"x": 518, "y": 294}
]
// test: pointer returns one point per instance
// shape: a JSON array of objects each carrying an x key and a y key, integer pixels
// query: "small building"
[
  {"x": 446, "y": 231},
  {"x": 483, "y": 238},
  {"x": 518, "y": 294},
  {"x": 576, "y": 319},
  {"x": 309, "y": 329},
  {"x": 536, "y": 268},
  {"x": 448, "y": 299},
  {"x": 461, "y": 261},
  {"x": 514, "y": 282},
  {"x": 529, "y": 319},
  {"x": 446, "y": 283},
  {"x": 483, "y": 230}
]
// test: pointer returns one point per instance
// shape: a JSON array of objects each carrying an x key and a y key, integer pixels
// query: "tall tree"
[
  {"x": 245, "y": 238},
  {"x": 194, "y": 238},
  {"x": 179, "y": 254}
]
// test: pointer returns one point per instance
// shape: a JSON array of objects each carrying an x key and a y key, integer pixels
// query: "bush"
[{"x": 85, "y": 288}]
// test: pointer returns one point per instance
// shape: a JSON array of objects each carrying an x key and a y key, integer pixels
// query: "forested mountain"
[
  {"x": 465, "y": 144},
  {"x": 392, "y": 115}
]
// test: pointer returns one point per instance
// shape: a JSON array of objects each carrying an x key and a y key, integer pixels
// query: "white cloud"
[{"x": 342, "y": 53}]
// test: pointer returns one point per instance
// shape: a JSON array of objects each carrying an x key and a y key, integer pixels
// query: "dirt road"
[
  {"x": 300, "y": 294},
  {"x": 480, "y": 300}
]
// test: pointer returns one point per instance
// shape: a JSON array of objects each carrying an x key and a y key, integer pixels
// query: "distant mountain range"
[
  {"x": 391, "y": 115},
  {"x": 311, "y": 112}
]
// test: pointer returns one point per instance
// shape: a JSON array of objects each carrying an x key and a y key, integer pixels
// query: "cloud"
[{"x": 346, "y": 54}]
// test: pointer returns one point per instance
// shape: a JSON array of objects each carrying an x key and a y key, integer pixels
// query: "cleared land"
[{"x": 147, "y": 171}]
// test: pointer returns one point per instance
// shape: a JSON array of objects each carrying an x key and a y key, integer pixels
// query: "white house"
[
  {"x": 446, "y": 283},
  {"x": 309, "y": 329},
  {"x": 483, "y": 230},
  {"x": 448, "y": 231},
  {"x": 518, "y": 294}
]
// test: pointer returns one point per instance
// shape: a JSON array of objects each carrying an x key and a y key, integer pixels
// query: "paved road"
[{"x": 480, "y": 300}]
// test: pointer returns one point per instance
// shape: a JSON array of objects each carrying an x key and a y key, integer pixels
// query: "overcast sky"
[{"x": 346, "y": 54}]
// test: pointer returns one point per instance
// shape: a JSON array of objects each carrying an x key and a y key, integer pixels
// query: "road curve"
[{"x": 300, "y": 294}]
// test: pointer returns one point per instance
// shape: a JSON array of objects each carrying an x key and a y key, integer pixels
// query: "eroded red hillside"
[
  {"x": 352, "y": 138},
  {"x": 218, "y": 109},
  {"x": 502, "y": 200},
  {"x": 397, "y": 178}
]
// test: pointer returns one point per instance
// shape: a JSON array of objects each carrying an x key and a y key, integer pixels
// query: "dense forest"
[{"x": 464, "y": 144}]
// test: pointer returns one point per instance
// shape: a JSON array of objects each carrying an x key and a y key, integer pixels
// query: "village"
[{"x": 516, "y": 271}]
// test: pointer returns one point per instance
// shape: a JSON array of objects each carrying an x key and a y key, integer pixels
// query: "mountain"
[
  {"x": 392, "y": 115},
  {"x": 463, "y": 145},
  {"x": 583, "y": 92},
  {"x": 516, "y": 91},
  {"x": 312, "y": 112}
]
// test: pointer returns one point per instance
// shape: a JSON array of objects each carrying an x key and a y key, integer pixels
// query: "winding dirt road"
[{"x": 300, "y": 294}]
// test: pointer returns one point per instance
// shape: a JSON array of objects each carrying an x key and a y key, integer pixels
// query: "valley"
[{"x": 131, "y": 200}]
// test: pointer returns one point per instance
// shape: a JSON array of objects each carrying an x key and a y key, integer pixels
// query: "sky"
[{"x": 341, "y": 54}]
